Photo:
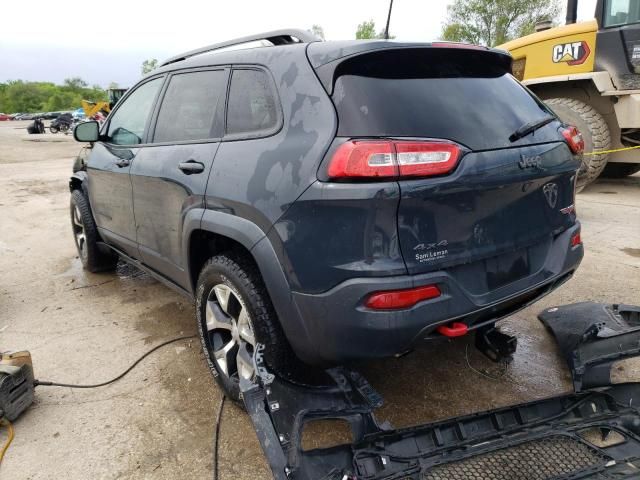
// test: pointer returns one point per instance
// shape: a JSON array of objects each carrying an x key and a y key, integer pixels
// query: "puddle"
[{"x": 165, "y": 321}]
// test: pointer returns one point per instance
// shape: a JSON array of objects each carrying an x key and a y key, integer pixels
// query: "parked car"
[
  {"x": 332, "y": 201},
  {"x": 4, "y": 117}
]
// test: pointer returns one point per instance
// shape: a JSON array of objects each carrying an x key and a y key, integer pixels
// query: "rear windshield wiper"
[{"x": 530, "y": 127}]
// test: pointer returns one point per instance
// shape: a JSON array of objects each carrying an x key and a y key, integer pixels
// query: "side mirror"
[{"x": 87, "y": 132}]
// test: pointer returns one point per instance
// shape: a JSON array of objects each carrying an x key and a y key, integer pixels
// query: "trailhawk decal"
[{"x": 574, "y": 53}]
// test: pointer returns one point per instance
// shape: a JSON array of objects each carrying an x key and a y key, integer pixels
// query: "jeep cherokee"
[{"x": 332, "y": 200}]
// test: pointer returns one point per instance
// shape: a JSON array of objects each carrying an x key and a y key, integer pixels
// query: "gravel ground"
[{"x": 158, "y": 422}]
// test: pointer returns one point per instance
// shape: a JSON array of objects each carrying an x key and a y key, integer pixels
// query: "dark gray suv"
[{"x": 332, "y": 200}]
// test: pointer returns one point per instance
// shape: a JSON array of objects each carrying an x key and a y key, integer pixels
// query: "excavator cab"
[{"x": 115, "y": 94}]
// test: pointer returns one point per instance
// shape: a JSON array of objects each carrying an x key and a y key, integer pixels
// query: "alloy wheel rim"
[
  {"x": 78, "y": 231},
  {"x": 230, "y": 333}
]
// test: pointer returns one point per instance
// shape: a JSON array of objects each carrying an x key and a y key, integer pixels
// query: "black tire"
[
  {"x": 620, "y": 170},
  {"x": 53, "y": 129},
  {"x": 594, "y": 130},
  {"x": 86, "y": 237},
  {"x": 241, "y": 277}
]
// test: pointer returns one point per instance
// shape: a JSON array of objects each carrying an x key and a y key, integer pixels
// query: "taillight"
[
  {"x": 397, "y": 299},
  {"x": 575, "y": 239},
  {"x": 392, "y": 159},
  {"x": 574, "y": 139}
]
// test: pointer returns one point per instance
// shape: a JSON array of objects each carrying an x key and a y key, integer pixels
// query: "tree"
[
  {"x": 318, "y": 31},
  {"x": 75, "y": 83},
  {"x": 367, "y": 30},
  {"x": 20, "y": 96},
  {"x": 493, "y": 22},
  {"x": 149, "y": 65},
  {"x": 113, "y": 85}
]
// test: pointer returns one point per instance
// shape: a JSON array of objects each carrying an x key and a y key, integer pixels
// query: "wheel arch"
[
  {"x": 78, "y": 181},
  {"x": 219, "y": 232}
]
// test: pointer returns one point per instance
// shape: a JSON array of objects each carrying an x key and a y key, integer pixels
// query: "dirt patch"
[{"x": 634, "y": 252}]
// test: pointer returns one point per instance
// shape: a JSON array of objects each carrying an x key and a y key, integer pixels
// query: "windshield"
[{"x": 621, "y": 12}]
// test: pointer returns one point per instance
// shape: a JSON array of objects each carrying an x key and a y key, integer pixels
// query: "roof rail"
[{"x": 277, "y": 37}]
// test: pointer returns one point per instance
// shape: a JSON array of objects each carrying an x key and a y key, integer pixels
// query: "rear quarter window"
[
  {"x": 434, "y": 93},
  {"x": 252, "y": 108}
]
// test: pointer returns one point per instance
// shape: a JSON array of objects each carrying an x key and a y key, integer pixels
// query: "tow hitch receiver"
[
  {"x": 496, "y": 345},
  {"x": 593, "y": 434}
]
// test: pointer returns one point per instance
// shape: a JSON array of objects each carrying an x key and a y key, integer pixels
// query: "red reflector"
[
  {"x": 576, "y": 240},
  {"x": 574, "y": 139},
  {"x": 455, "y": 329},
  {"x": 390, "y": 159},
  {"x": 396, "y": 299}
]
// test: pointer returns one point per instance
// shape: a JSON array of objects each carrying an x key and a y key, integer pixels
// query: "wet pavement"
[{"x": 158, "y": 421}]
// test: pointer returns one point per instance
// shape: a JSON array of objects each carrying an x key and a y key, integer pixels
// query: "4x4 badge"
[{"x": 550, "y": 191}]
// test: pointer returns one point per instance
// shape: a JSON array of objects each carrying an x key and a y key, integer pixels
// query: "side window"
[
  {"x": 126, "y": 126},
  {"x": 188, "y": 110},
  {"x": 252, "y": 103}
]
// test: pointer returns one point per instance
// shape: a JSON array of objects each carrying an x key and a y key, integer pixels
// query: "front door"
[
  {"x": 169, "y": 176},
  {"x": 109, "y": 164}
]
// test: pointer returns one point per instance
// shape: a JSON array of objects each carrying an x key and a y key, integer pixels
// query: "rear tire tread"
[{"x": 600, "y": 137}]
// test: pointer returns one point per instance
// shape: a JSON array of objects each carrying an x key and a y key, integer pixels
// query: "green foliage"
[
  {"x": 367, "y": 30},
  {"x": 318, "y": 31},
  {"x": 493, "y": 22},
  {"x": 21, "y": 96},
  {"x": 149, "y": 65}
]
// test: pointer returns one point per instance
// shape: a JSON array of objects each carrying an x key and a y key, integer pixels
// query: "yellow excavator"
[
  {"x": 93, "y": 108},
  {"x": 589, "y": 74}
]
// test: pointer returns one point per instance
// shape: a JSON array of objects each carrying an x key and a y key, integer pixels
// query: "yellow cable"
[
  {"x": 9, "y": 439},
  {"x": 612, "y": 151}
]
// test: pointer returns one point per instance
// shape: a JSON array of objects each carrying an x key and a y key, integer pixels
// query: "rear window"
[{"x": 459, "y": 95}]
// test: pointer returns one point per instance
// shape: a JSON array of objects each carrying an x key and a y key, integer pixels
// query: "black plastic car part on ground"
[
  {"x": 593, "y": 337},
  {"x": 593, "y": 434}
]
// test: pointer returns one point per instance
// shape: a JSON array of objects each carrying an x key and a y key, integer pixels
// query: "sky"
[{"x": 106, "y": 41}]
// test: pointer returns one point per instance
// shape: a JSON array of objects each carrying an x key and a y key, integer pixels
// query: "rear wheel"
[
  {"x": 85, "y": 235},
  {"x": 53, "y": 129},
  {"x": 620, "y": 170},
  {"x": 594, "y": 131},
  {"x": 234, "y": 314}
]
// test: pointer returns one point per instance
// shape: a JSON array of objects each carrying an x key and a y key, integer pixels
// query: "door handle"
[
  {"x": 191, "y": 166},
  {"x": 122, "y": 163}
]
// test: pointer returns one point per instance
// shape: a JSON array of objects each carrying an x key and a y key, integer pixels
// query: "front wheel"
[
  {"x": 53, "y": 129},
  {"x": 234, "y": 314},
  {"x": 85, "y": 235}
]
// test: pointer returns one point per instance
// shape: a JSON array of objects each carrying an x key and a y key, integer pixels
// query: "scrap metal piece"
[{"x": 592, "y": 337}]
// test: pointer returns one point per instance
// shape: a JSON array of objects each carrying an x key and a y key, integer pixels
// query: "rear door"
[
  {"x": 170, "y": 174},
  {"x": 501, "y": 205},
  {"x": 109, "y": 164}
]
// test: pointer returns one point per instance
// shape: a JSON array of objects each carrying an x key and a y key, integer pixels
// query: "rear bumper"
[{"x": 342, "y": 329}]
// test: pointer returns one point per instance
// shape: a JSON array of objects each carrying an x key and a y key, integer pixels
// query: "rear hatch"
[{"x": 491, "y": 218}]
